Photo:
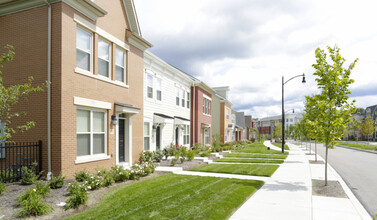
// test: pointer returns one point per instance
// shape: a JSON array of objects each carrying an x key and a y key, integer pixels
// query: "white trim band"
[{"x": 91, "y": 103}]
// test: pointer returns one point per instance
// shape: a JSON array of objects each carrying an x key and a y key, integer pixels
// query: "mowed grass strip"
[
  {"x": 249, "y": 160},
  {"x": 259, "y": 148},
  {"x": 243, "y": 169},
  {"x": 246, "y": 155},
  {"x": 279, "y": 146},
  {"x": 359, "y": 146},
  {"x": 174, "y": 197}
]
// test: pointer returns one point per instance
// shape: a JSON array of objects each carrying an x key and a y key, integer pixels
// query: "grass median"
[
  {"x": 248, "y": 155},
  {"x": 243, "y": 169},
  {"x": 259, "y": 148},
  {"x": 174, "y": 197},
  {"x": 359, "y": 146},
  {"x": 249, "y": 160}
]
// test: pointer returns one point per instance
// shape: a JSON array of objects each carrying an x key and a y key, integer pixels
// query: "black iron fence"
[{"x": 14, "y": 156}]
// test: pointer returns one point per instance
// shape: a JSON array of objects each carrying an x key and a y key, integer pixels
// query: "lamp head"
[{"x": 303, "y": 78}]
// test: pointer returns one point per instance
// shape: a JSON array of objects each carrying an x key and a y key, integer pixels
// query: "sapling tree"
[
  {"x": 10, "y": 96},
  {"x": 354, "y": 125},
  {"x": 278, "y": 130},
  {"x": 311, "y": 117},
  {"x": 334, "y": 110},
  {"x": 367, "y": 127}
]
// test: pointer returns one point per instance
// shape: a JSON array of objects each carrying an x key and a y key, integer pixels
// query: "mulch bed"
[
  {"x": 9, "y": 208},
  {"x": 185, "y": 166},
  {"x": 333, "y": 189},
  {"x": 316, "y": 162}
]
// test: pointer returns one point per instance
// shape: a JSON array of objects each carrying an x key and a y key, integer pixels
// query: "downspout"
[
  {"x": 49, "y": 91},
  {"x": 193, "y": 113}
]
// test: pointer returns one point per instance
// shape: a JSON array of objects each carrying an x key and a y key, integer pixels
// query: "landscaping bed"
[
  {"x": 174, "y": 197},
  {"x": 243, "y": 169},
  {"x": 185, "y": 166}
]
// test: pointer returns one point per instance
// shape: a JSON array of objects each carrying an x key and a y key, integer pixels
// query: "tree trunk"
[
  {"x": 310, "y": 147},
  {"x": 327, "y": 152},
  {"x": 315, "y": 146}
]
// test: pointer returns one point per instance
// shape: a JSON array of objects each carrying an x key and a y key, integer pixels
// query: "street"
[{"x": 358, "y": 170}]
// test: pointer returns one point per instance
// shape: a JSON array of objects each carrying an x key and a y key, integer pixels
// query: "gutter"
[
  {"x": 193, "y": 113},
  {"x": 49, "y": 91}
]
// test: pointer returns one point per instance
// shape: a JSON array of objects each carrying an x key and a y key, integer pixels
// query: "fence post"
[{"x": 40, "y": 155}]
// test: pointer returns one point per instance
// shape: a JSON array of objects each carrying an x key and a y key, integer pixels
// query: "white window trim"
[
  {"x": 146, "y": 86},
  {"x": 150, "y": 135},
  {"x": 90, "y": 72},
  {"x": 91, "y": 103},
  {"x": 184, "y": 135},
  {"x": 110, "y": 58},
  {"x": 104, "y": 79},
  {"x": 188, "y": 99},
  {"x": 124, "y": 67},
  {"x": 179, "y": 98},
  {"x": 159, "y": 78},
  {"x": 93, "y": 157}
]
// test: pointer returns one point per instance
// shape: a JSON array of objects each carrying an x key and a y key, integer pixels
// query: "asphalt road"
[{"x": 359, "y": 170}]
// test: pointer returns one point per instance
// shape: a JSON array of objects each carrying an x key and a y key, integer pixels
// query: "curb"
[
  {"x": 355, "y": 202},
  {"x": 352, "y": 148}
]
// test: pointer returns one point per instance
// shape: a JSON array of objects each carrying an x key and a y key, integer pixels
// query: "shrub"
[
  {"x": 93, "y": 182},
  {"x": 77, "y": 195},
  {"x": 82, "y": 175},
  {"x": 173, "y": 161},
  {"x": 3, "y": 187},
  {"x": 158, "y": 155},
  {"x": 120, "y": 174},
  {"x": 28, "y": 175},
  {"x": 33, "y": 205},
  {"x": 42, "y": 188},
  {"x": 165, "y": 152},
  {"x": 190, "y": 155},
  {"x": 216, "y": 140},
  {"x": 182, "y": 159},
  {"x": 56, "y": 182},
  {"x": 106, "y": 177},
  {"x": 146, "y": 156},
  {"x": 205, "y": 154}
]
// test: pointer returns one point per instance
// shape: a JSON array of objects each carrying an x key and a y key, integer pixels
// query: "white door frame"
[{"x": 128, "y": 122}]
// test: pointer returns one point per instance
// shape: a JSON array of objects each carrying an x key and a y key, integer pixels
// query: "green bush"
[
  {"x": 173, "y": 161},
  {"x": 3, "y": 187},
  {"x": 146, "y": 156},
  {"x": 33, "y": 205},
  {"x": 56, "y": 182},
  {"x": 94, "y": 182},
  {"x": 205, "y": 154},
  {"x": 190, "y": 155},
  {"x": 82, "y": 175},
  {"x": 120, "y": 174},
  {"x": 165, "y": 152},
  {"x": 28, "y": 174},
  {"x": 106, "y": 177},
  {"x": 77, "y": 195},
  {"x": 42, "y": 188},
  {"x": 158, "y": 155}
]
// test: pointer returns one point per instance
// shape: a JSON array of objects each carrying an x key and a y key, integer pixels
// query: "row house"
[
  {"x": 240, "y": 126},
  {"x": 222, "y": 109},
  {"x": 92, "y": 53},
  {"x": 266, "y": 126},
  {"x": 167, "y": 105}
]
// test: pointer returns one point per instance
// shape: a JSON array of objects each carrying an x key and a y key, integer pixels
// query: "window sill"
[
  {"x": 102, "y": 78},
  {"x": 87, "y": 159},
  {"x": 206, "y": 115}
]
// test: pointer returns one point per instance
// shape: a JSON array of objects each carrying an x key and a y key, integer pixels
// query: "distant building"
[{"x": 266, "y": 126}]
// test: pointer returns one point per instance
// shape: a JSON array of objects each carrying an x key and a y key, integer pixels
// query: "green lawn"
[
  {"x": 258, "y": 148},
  {"x": 360, "y": 146},
  {"x": 245, "y": 155},
  {"x": 243, "y": 169},
  {"x": 279, "y": 145},
  {"x": 249, "y": 160},
  {"x": 174, "y": 197}
]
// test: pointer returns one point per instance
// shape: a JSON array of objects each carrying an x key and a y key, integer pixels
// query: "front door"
[
  {"x": 176, "y": 135},
  {"x": 158, "y": 138},
  {"x": 121, "y": 142}
]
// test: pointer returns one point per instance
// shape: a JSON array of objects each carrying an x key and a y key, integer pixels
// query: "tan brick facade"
[{"x": 28, "y": 34}]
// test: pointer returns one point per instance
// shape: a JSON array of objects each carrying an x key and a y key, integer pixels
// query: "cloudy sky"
[{"x": 249, "y": 45}]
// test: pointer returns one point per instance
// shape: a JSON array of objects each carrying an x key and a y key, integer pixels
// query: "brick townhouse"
[{"x": 92, "y": 53}]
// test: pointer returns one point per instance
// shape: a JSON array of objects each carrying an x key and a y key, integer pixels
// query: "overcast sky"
[{"x": 249, "y": 45}]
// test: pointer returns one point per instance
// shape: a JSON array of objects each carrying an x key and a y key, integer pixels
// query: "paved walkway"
[{"x": 288, "y": 193}]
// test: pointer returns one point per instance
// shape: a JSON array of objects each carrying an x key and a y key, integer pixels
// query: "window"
[
  {"x": 227, "y": 114},
  {"x": 177, "y": 97},
  {"x": 158, "y": 89},
  {"x": 209, "y": 107},
  {"x": 120, "y": 61},
  {"x": 147, "y": 136},
  {"x": 206, "y": 136},
  {"x": 188, "y": 100},
  {"x": 226, "y": 135},
  {"x": 182, "y": 95},
  {"x": 186, "y": 134},
  {"x": 150, "y": 86},
  {"x": 204, "y": 105},
  {"x": 91, "y": 135},
  {"x": 104, "y": 51},
  {"x": 207, "y": 103},
  {"x": 83, "y": 49}
]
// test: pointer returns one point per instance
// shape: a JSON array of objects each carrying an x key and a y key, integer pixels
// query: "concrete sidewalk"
[{"x": 288, "y": 194}]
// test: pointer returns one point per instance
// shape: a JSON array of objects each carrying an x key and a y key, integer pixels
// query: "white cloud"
[{"x": 250, "y": 44}]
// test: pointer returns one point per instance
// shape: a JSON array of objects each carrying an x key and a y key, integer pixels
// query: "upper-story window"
[
  {"x": 209, "y": 107},
  {"x": 204, "y": 105},
  {"x": 227, "y": 114},
  {"x": 188, "y": 100},
  {"x": 177, "y": 96},
  {"x": 83, "y": 49},
  {"x": 150, "y": 86},
  {"x": 104, "y": 51},
  {"x": 120, "y": 67},
  {"x": 158, "y": 89},
  {"x": 182, "y": 95}
]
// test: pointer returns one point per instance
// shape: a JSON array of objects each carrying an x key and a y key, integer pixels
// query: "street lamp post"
[{"x": 282, "y": 106}]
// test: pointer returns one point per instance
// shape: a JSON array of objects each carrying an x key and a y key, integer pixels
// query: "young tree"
[
  {"x": 354, "y": 125},
  {"x": 10, "y": 96},
  {"x": 278, "y": 131},
  {"x": 334, "y": 111},
  {"x": 367, "y": 127}
]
